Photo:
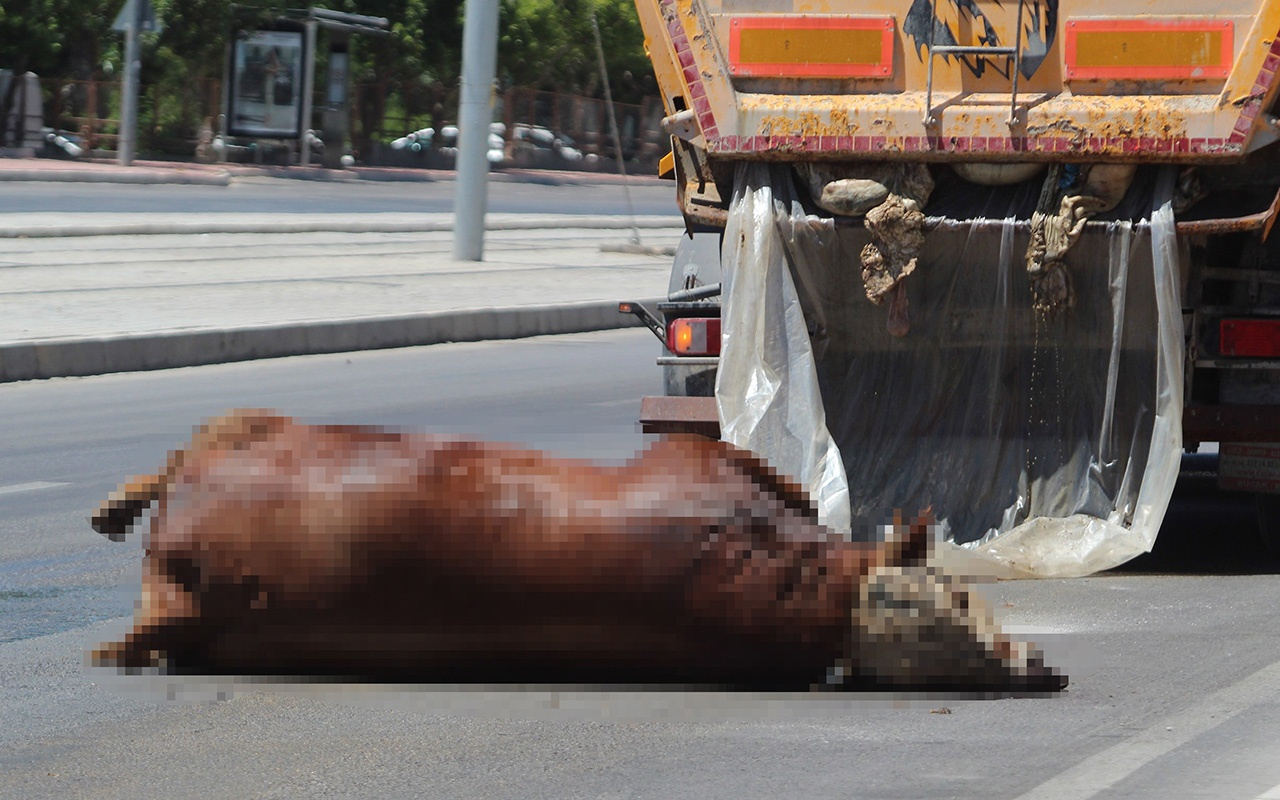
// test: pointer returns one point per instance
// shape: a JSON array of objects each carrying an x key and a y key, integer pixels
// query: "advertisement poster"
[
  {"x": 337, "y": 94},
  {"x": 266, "y": 85}
]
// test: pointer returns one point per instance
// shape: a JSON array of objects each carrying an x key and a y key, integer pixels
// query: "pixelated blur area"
[{"x": 285, "y": 549}]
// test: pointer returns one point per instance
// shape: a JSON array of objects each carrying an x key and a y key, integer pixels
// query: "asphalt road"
[
  {"x": 1175, "y": 670},
  {"x": 280, "y": 195}
]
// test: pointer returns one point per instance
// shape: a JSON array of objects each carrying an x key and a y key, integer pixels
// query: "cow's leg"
[
  {"x": 164, "y": 624},
  {"x": 787, "y": 492}
]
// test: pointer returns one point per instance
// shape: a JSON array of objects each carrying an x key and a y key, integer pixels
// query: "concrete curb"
[
  {"x": 416, "y": 175},
  {"x": 21, "y": 361},
  {"x": 123, "y": 175},
  {"x": 226, "y": 174},
  {"x": 338, "y": 224}
]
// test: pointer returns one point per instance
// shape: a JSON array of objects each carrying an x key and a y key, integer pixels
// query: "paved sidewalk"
[
  {"x": 104, "y": 292},
  {"x": 102, "y": 297},
  {"x": 39, "y": 225}
]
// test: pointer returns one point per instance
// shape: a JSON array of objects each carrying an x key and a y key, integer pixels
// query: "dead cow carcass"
[{"x": 283, "y": 548}]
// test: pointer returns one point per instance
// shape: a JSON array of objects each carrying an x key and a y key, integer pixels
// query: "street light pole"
[
  {"x": 127, "y": 140},
  {"x": 475, "y": 112},
  {"x": 308, "y": 90}
]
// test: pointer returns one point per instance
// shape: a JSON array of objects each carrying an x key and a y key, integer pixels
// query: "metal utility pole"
[
  {"x": 308, "y": 88},
  {"x": 125, "y": 146},
  {"x": 475, "y": 112}
]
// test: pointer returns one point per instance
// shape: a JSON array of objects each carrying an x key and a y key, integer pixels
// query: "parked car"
[
  {"x": 61, "y": 144},
  {"x": 536, "y": 146},
  {"x": 446, "y": 142},
  {"x": 414, "y": 142}
]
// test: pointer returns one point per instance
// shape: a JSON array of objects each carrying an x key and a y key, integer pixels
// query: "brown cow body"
[{"x": 292, "y": 549}]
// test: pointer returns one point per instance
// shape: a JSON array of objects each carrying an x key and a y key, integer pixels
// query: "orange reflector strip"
[
  {"x": 811, "y": 47},
  {"x": 1146, "y": 49},
  {"x": 694, "y": 336},
  {"x": 1249, "y": 338}
]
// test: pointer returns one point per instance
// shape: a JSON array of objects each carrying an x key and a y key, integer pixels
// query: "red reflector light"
[
  {"x": 1249, "y": 338},
  {"x": 694, "y": 336}
]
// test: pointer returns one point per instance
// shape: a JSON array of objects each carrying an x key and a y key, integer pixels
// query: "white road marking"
[
  {"x": 1271, "y": 794},
  {"x": 1103, "y": 770},
  {"x": 34, "y": 486}
]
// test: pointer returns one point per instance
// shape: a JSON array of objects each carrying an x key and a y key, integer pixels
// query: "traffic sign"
[{"x": 151, "y": 23}]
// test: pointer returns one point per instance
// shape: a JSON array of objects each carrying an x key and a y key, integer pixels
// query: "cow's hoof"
[
  {"x": 117, "y": 517},
  {"x": 123, "y": 656},
  {"x": 1039, "y": 678}
]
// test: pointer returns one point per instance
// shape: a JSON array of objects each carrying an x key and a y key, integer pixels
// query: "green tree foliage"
[
  {"x": 66, "y": 38},
  {"x": 548, "y": 44},
  {"x": 87, "y": 39},
  {"x": 54, "y": 37},
  {"x": 415, "y": 66},
  {"x": 194, "y": 39},
  {"x": 544, "y": 44},
  {"x": 29, "y": 35}
]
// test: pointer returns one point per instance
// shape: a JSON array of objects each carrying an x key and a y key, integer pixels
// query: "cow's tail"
[
  {"x": 117, "y": 515},
  {"x": 233, "y": 431}
]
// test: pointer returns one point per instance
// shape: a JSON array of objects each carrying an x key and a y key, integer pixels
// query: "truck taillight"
[
  {"x": 694, "y": 336},
  {"x": 1249, "y": 338}
]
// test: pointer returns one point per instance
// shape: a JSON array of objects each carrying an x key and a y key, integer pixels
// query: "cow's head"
[{"x": 914, "y": 626}]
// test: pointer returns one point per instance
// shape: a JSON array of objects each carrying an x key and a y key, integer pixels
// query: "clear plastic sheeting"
[
  {"x": 766, "y": 386},
  {"x": 1045, "y": 444}
]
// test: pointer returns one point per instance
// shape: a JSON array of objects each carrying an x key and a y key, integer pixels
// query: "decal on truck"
[{"x": 951, "y": 19}]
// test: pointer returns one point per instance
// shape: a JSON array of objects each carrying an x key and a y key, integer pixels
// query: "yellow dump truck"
[{"x": 1006, "y": 260}]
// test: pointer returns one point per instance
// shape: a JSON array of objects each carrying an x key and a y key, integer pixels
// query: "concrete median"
[{"x": 20, "y": 361}]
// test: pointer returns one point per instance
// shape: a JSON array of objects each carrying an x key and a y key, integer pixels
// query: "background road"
[
  {"x": 277, "y": 195},
  {"x": 1175, "y": 674}
]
